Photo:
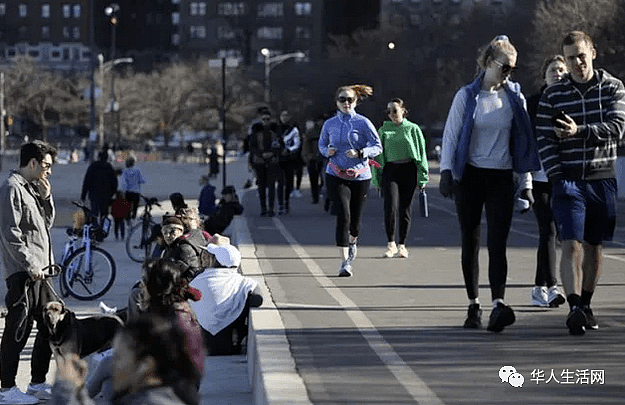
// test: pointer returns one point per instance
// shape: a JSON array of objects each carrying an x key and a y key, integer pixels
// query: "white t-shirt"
[{"x": 490, "y": 139}]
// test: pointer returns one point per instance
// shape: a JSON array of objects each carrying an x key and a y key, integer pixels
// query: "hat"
[
  {"x": 226, "y": 255},
  {"x": 172, "y": 220}
]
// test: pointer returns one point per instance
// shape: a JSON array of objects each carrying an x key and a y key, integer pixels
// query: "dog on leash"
[{"x": 84, "y": 336}]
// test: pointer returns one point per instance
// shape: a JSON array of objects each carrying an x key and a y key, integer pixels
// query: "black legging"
[
  {"x": 349, "y": 198},
  {"x": 315, "y": 166},
  {"x": 268, "y": 176},
  {"x": 493, "y": 189},
  {"x": 399, "y": 182},
  {"x": 546, "y": 257}
]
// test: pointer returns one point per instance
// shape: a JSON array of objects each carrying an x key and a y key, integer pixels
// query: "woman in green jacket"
[{"x": 404, "y": 167}]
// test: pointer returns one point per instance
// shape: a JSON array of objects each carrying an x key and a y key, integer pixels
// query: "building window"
[
  {"x": 23, "y": 10},
  {"x": 270, "y": 10},
  {"x": 45, "y": 32},
  {"x": 45, "y": 11},
  {"x": 197, "y": 31},
  {"x": 225, "y": 32},
  {"x": 67, "y": 11},
  {"x": 66, "y": 32},
  {"x": 175, "y": 1},
  {"x": 175, "y": 18},
  {"x": 230, "y": 54},
  {"x": 197, "y": 8},
  {"x": 231, "y": 8},
  {"x": 76, "y": 10},
  {"x": 175, "y": 39},
  {"x": 303, "y": 33},
  {"x": 303, "y": 8},
  {"x": 23, "y": 35},
  {"x": 76, "y": 32},
  {"x": 415, "y": 19},
  {"x": 269, "y": 33},
  {"x": 3, "y": 9}
]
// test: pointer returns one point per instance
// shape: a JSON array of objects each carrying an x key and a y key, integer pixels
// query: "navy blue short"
[{"x": 585, "y": 210}]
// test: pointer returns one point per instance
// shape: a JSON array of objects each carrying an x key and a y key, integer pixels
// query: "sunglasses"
[
  {"x": 45, "y": 165},
  {"x": 350, "y": 100},
  {"x": 505, "y": 68}
]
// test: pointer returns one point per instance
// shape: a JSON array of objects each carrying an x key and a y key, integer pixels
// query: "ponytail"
[{"x": 362, "y": 90}]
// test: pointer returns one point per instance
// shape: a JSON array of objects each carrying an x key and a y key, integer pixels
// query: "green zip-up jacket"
[{"x": 402, "y": 142}]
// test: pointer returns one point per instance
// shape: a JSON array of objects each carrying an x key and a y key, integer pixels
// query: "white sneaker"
[
  {"x": 40, "y": 391},
  {"x": 14, "y": 396},
  {"x": 555, "y": 298},
  {"x": 539, "y": 297},
  {"x": 346, "y": 269},
  {"x": 402, "y": 251},
  {"x": 391, "y": 250}
]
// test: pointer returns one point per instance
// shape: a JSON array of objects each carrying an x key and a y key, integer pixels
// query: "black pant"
[
  {"x": 546, "y": 257},
  {"x": 268, "y": 176},
  {"x": 349, "y": 198},
  {"x": 399, "y": 182},
  {"x": 493, "y": 189},
  {"x": 120, "y": 227},
  {"x": 10, "y": 349},
  {"x": 315, "y": 166},
  {"x": 288, "y": 171},
  {"x": 133, "y": 199}
]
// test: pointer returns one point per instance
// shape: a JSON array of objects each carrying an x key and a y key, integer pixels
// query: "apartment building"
[
  {"x": 240, "y": 29},
  {"x": 55, "y": 32},
  {"x": 58, "y": 33},
  {"x": 414, "y": 14}
]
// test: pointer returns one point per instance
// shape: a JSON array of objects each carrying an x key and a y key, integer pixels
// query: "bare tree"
[
  {"x": 603, "y": 20},
  {"x": 47, "y": 97}
]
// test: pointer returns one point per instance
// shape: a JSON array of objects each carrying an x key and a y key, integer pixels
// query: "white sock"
[
  {"x": 344, "y": 252},
  {"x": 475, "y": 301},
  {"x": 497, "y": 301}
]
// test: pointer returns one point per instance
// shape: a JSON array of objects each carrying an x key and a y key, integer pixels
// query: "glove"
[
  {"x": 447, "y": 184},
  {"x": 528, "y": 196}
]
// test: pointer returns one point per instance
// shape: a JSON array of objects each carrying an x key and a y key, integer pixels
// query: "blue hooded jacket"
[{"x": 523, "y": 145}]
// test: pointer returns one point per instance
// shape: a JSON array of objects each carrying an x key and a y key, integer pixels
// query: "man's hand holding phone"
[{"x": 564, "y": 126}]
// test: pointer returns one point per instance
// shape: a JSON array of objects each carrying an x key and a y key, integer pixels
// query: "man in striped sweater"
[{"x": 580, "y": 122}]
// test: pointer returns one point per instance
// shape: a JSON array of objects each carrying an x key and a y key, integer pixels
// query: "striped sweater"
[{"x": 600, "y": 116}]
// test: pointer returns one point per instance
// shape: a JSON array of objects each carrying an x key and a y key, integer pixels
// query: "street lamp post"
[
  {"x": 111, "y": 12},
  {"x": 102, "y": 68},
  {"x": 271, "y": 62}
]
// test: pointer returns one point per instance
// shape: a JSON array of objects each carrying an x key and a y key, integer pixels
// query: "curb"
[{"x": 272, "y": 372}]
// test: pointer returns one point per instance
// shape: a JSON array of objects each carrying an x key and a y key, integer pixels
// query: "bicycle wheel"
[
  {"x": 87, "y": 281},
  {"x": 137, "y": 246}
]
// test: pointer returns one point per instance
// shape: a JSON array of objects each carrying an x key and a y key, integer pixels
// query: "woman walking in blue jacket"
[
  {"x": 488, "y": 136},
  {"x": 348, "y": 140}
]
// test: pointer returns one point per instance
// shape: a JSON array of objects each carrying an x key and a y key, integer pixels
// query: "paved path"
[{"x": 392, "y": 333}]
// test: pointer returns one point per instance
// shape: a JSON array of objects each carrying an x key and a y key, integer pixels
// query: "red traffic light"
[{"x": 113, "y": 20}]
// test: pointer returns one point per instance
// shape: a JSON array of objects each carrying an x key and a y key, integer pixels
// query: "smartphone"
[{"x": 559, "y": 116}]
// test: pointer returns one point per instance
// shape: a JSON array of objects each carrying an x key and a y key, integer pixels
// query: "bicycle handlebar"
[{"x": 150, "y": 201}]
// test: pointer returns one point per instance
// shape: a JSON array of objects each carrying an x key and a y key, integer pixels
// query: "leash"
[{"x": 25, "y": 301}]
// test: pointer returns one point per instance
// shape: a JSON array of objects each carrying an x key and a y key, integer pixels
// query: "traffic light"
[
  {"x": 8, "y": 121},
  {"x": 113, "y": 20}
]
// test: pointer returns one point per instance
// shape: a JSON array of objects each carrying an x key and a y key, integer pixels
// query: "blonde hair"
[
  {"x": 361, "y": 90},
  {"x": 500, "y": 45}
]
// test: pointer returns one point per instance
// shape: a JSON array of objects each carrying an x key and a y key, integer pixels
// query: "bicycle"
[
  {"x": 88, "y": 271},
  {"x": 140, "y": 241}
]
